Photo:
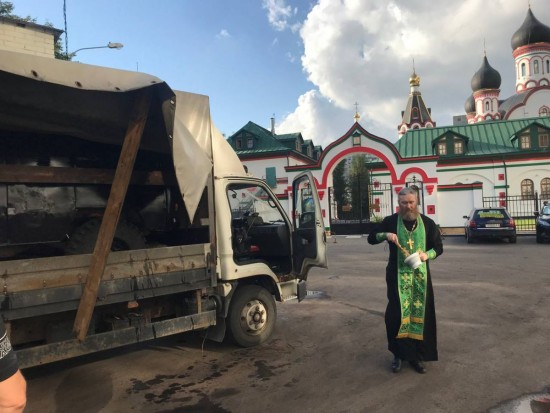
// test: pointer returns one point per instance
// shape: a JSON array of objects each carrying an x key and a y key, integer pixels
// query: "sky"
[{"x": 305, "y": 63}]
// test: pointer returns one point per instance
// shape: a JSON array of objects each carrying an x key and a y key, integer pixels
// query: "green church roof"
[
  {"x": 267, "y": 143},
  {"x": 483, "y": 138}
]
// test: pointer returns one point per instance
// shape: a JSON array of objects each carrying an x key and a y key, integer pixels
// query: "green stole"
[{"x": 411, "y": 283}]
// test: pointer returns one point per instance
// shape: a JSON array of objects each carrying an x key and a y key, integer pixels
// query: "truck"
[{"x": 125, "y": 216}]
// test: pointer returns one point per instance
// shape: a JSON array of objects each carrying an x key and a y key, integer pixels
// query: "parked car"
[
  {"x": 489, "y": 223},
  {"x": 543, "y": 223}
]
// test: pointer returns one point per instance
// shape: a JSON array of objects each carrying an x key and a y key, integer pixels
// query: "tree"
[
  {"x": 340, "y": 186},
  {"x": 359, "y": 186},
  {"x": 6, "y": 10}
]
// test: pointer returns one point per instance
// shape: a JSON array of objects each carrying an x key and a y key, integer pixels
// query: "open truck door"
[{"x": 309, "y": 240}]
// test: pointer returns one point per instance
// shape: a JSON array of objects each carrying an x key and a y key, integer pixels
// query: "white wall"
[{"x": 26, "y": 40}]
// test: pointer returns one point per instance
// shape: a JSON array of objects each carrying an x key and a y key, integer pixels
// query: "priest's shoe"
[
  {"x": 418, "y": 366},
  {"x": 396, "y": 365}
]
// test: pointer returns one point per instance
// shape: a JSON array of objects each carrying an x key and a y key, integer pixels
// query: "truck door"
[{"x": 309, "y": 240}]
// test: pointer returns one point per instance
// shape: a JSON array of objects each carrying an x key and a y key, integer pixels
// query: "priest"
[{"x": 410, "y": 313}]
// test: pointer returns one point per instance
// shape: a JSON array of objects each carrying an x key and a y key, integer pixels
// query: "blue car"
[
  {"x": 489, "y": 223},
  {"x": 543, "y": 224}
]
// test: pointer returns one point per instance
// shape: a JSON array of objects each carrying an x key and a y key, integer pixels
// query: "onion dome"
[
  {"x": 470, "y": 105},
  {"x": 486, "y": 77},
  {"x": 531, "y": 31},
  {"x": 414, "y": 80}
]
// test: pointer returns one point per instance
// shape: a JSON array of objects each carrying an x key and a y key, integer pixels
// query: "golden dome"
[{"x": 414, "y": 80}]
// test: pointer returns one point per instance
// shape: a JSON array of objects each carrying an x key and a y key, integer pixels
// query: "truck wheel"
[
  {"x": 82, "y": 240},
  {"x": 252, "y": 315}
]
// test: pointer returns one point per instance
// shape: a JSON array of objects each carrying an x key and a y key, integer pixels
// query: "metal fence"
[{"x": 521, "y": 208}]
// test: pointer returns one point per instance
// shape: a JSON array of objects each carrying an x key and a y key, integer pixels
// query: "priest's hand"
[
  {"x": 423, "y": 256},
  {"x": 391, "y": 237}
]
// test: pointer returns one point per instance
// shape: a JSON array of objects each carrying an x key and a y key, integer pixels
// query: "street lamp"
[{"x": 110, "y": 45}]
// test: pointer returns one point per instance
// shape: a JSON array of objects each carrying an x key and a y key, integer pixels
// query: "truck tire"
[
  {"x": 252, "y": 315},
  {"x": 83, "y": 239}
]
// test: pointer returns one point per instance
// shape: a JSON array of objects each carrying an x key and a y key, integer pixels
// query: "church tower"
[
  {"x": 531, "y": 51},
  {"x": 486, "y": 90},
  {"x": 416, "y": 115}
]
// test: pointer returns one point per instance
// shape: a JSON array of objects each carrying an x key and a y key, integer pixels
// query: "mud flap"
[
  {"x": 302, "y": 290},
  {"x": 216, "y": 332}
]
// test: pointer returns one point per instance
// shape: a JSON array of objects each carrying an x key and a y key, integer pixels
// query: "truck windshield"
[{"x": 253, "y": 202}]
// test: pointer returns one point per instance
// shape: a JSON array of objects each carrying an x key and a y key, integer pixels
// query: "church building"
[{"x": 499, "y": 157}]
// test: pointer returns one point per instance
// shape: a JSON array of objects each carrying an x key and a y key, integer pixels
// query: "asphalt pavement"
[{"x": 328, "y": 353}]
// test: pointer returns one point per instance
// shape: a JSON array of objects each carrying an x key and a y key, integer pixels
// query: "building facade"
[{"x": 27, "y": 37}]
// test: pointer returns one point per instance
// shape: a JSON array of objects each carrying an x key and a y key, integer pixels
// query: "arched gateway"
[{"x": 389, "y": 171}]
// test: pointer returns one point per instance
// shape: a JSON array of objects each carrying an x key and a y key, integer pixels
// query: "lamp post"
[{"x": 110, "y": 45}]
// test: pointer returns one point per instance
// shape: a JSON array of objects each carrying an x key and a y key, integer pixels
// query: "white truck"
[{"x": 125, "y": 216}]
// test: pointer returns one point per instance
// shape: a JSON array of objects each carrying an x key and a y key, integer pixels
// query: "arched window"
[
  {"x": 487, "y": 106},
  {"x": 536, "y": 67},
  {"x": 527, "y": 189},
  {"x": 545, "y": 188},
  {"x": 415, "y": 112},
  {"x": 547, "y": 65},
  {"x": 523, "y": 69},
  {"x": 543, "y": 111}
]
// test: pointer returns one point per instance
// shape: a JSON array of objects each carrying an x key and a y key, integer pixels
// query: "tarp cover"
[{"x": 45, "y": 95}]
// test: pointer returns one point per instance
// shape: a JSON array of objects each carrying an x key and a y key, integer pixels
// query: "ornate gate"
[{"x": 376, "y": 203}]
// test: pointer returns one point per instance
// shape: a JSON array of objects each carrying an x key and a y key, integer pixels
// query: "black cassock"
[{"x": 407, "y": 348}]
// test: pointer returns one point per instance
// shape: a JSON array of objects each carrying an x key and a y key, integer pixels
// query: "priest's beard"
[{"x": 409, "y": 215}]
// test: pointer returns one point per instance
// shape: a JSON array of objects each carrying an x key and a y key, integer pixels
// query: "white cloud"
[
  {"x": 362, "y": 51},
  {"x": 223, "y": 34},
  {"x": 278, "y": 13}
]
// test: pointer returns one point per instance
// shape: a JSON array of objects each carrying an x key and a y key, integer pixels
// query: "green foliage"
[
  {"x": 6, "y": 10},
  {"x": 340, "y": 185},
  {"x": 358, "y": 185}
]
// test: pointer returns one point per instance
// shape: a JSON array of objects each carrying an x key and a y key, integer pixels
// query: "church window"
[
  {"x": 527, "y": 189},
  {"x": 536, "y": 67},
  {"x": 543, "y": 111},
  {"x": 458, "y": 146},
  {"x": 544, "y": 142},
  {"x": 250, "y": 143},
  {"x": 523, "y": 69},
  {"x": 442, "y": 148},
  {"x": 547, "y": 65},
  {"x": 415, "y": 113},
  {"x": 239, "y": 143},
  {"x": 487, "y": 106},
  {"x": 545, "y": 188},
  {"x": 525, "y": 141}
]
